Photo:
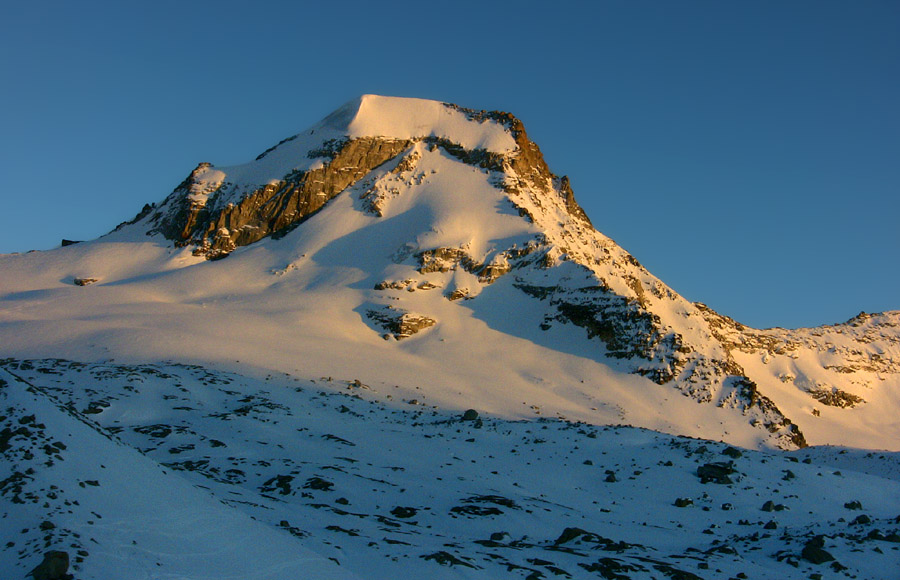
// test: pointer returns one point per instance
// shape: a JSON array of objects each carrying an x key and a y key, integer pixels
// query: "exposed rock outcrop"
[
  {"x": 195, "y": 216},
  {"x": 399, "y": 323}
]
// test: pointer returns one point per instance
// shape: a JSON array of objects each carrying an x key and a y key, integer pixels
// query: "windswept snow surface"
[{"x": 404, "y": 118}]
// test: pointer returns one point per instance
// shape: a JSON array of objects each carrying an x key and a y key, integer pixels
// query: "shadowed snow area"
[{"x": 177, "y": 471}]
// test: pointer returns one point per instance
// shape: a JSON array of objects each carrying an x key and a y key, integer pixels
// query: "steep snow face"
[{"x": 428, "y": 247}]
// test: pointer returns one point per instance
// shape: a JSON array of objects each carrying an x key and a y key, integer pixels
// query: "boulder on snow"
[
  {"x": 717, "y": 472},
  {"x": 55, "y": 566},
  {"x": 813, "y": 552}
]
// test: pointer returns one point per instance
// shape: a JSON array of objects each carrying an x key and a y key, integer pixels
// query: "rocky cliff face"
[{"x": 217, "y": 228}]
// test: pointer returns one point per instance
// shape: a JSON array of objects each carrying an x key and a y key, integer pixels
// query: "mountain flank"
[{"x": 424, "y": 234}]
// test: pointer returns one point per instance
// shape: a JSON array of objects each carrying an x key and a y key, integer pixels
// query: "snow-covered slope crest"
[{"x": 413, "y": 119}]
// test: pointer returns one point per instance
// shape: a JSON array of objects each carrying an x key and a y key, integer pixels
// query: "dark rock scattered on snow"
[
  {"x": 317, "y": 483},
  {"x": 280, "y": 482},
  {"x": 476, "y": 510},
  {"x": 771, "y": 506},
  {"x": 55, "y": 566},
  {"x": 403, "y": 512},
  {"x": 732, "y": 452},
  {"x": 446, "y": 559},
  {"x": 470, "y": 415},
  {"x": 717, "y": 472},
  {"x": 813, "y": 551}
]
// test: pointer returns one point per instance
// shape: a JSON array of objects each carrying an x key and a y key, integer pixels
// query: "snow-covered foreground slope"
[
  {"x": 69, "y": 484},
  {"x": 170, "y": 471}
]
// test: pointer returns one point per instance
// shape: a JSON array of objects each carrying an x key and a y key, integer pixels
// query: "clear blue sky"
[{"x": 748, "y": 153}]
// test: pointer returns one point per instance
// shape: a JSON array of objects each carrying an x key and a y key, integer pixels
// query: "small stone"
[
  {"x": 470, "y": 415},
  {"x": 732, "y": 452},
  {"x": 403, "y": 512}
]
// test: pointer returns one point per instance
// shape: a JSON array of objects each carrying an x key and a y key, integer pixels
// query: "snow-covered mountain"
[{"x": 424, "y": 258}]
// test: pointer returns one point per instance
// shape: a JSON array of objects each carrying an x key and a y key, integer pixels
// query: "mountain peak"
[
  {"x": 218, "y": 209},
  {"x": 408, "y": 196}
]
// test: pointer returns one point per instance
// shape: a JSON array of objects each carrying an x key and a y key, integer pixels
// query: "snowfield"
[{"x": 173, "y": 471}]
